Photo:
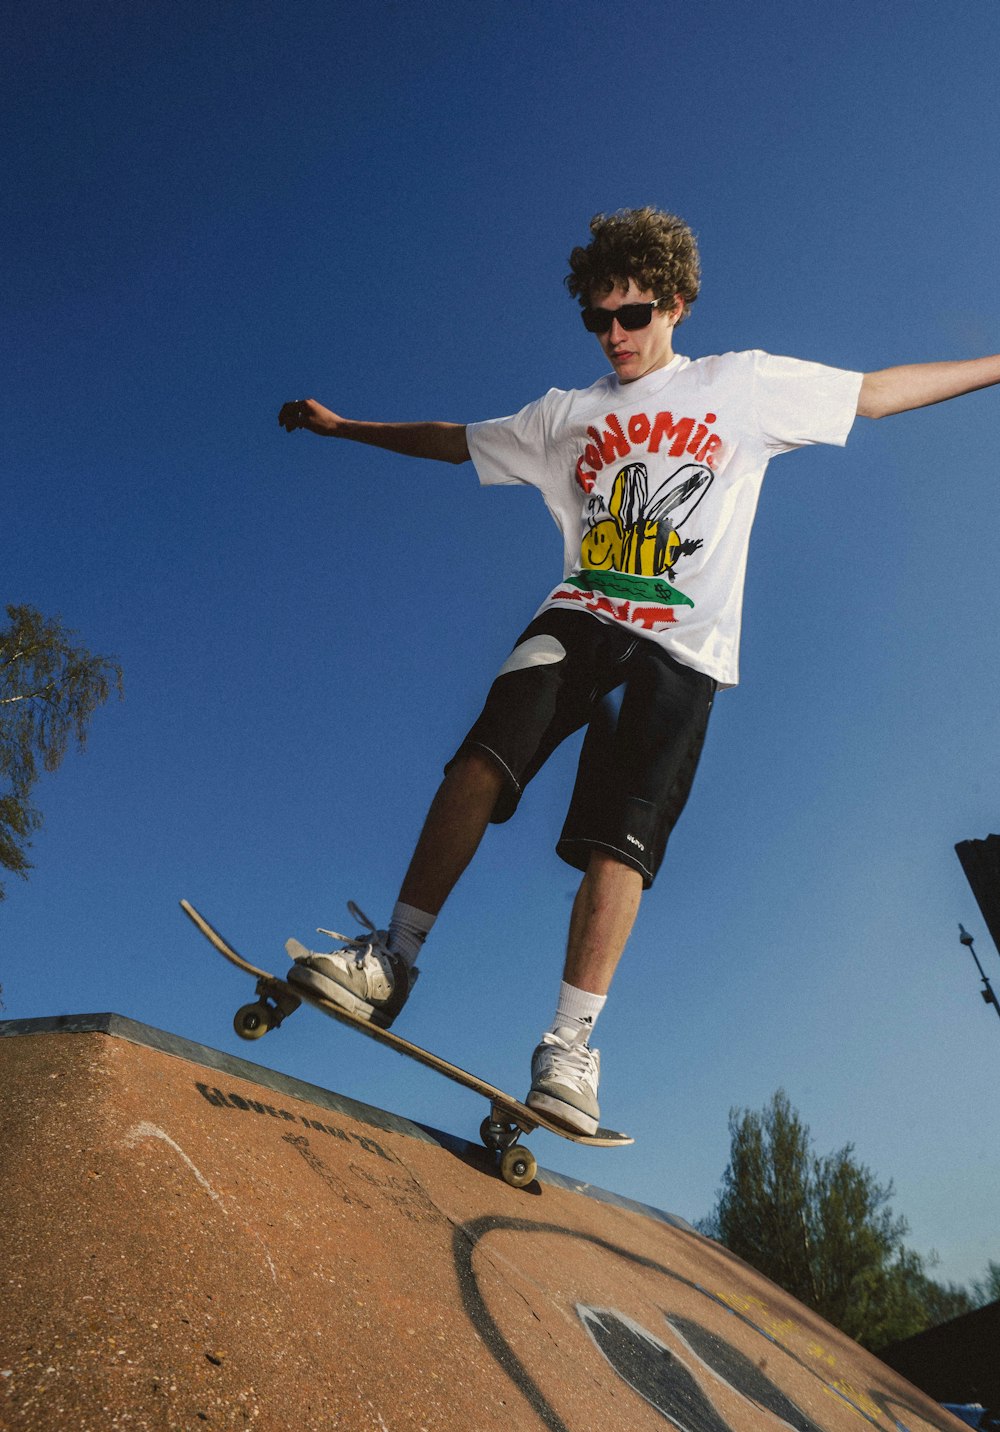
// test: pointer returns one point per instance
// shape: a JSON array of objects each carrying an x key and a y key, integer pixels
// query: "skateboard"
[{"x": 501, "y": 1130}]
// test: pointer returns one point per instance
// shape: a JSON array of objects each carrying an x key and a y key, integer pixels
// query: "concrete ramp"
[{"x": 190, "y": 1240}]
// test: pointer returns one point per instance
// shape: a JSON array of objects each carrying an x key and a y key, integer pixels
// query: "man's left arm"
[{"x": 918, "y": 385}]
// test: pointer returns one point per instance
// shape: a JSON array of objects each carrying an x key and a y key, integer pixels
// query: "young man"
[{"x": 652, "y": 475}]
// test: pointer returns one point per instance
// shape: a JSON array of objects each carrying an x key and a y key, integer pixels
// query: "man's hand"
[{"x": 307, "y": 413}]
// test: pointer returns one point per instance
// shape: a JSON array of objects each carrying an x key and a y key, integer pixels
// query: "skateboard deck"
[{"x": 508, "y": 1118}]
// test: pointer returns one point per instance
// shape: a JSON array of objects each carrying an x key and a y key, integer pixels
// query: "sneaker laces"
[
  {"x": 358, "y": 944},
  {"x": 578, "y": 1059}
]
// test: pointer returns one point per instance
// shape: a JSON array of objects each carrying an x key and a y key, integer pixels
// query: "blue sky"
[{"x": 211, "y": 209}]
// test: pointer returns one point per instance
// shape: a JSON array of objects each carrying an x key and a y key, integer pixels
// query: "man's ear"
[{"x": 678, "y": 309}]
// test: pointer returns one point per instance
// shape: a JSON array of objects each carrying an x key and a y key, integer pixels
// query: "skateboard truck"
[
  {"x": 498, "y": 1132},
  {"x": 274, "y": 1003}
]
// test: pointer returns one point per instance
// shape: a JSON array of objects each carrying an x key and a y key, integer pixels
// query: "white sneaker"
[
  {"x": 363, "y": 977},
  {"x": 564, "y": 1076}
]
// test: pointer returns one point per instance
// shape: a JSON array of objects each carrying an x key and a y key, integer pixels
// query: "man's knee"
[
  {"x": 610, "y": 869},
  {"x": 476, "y": 773}
]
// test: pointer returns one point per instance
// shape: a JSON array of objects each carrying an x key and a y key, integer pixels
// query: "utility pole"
[{"x": 987, "y": 991}]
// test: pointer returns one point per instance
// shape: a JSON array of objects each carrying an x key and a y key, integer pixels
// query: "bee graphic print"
[{"x": 633, "y": 536}]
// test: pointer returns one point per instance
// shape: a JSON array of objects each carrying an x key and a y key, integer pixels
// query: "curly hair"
[{"x": 656, "y": 249}]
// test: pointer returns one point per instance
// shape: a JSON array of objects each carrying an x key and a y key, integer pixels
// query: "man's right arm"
[{"x": 444, "y": 441}]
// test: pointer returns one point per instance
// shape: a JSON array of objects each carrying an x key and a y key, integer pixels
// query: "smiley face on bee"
[
  {"x": 602, "y": 545},
  {"x": 637, "y": 537}
]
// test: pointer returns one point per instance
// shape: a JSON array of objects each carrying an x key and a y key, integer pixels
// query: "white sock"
[
  {"x": 577, "y": 1011},
  {"x": 408, "y": 929}
]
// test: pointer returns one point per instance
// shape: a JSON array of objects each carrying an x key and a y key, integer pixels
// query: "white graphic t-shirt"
[{"x": 654, "y": 486}]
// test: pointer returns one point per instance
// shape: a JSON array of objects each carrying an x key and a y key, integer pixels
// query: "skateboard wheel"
[
  {"x": 518, "y": 1166},
  {"x": 252, "y": 1021}
]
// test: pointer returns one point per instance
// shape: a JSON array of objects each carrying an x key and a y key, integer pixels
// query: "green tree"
[
  {"x": 987, "y": 1288},
  {"x": 823, "y": 1229},
  {"x": 763, "y": 1207},
  {"x": 49, "y": 689},
  {"x": 944, "y": 1301}
]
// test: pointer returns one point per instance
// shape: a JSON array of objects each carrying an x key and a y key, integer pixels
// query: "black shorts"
[{"x": 646, "y": 716}]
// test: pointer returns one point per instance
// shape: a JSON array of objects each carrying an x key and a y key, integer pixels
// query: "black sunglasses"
[{"x": 630, "y": 316}]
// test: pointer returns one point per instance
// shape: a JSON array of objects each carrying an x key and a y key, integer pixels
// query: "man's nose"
[{"x": 616, "y": 332}]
